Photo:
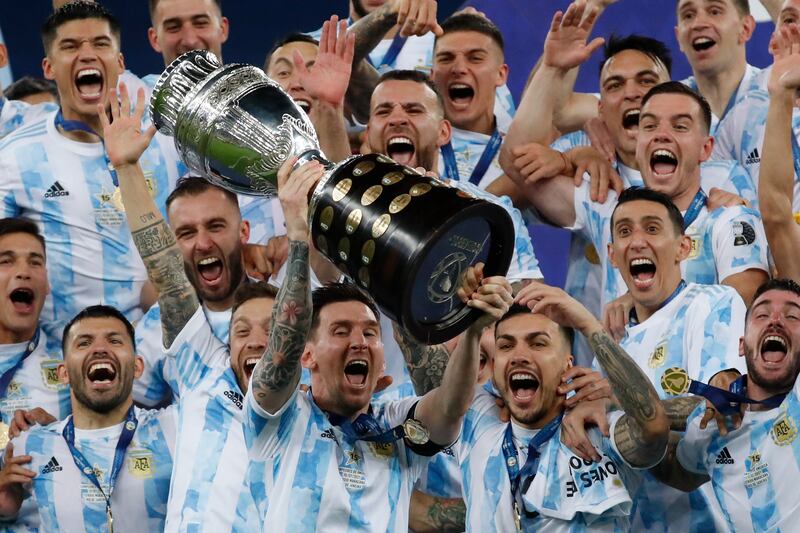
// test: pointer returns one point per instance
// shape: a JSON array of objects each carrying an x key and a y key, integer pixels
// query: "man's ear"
[
  {"x": 741, "y": 346},
  {"x": 3, "y": 55},
  {"x": 61, "y": 372},
  {"x": 685, "y": 248},
  {"x": 445, "y": 133},
  {"x": 307, "y": 359},
  {"x": 707, "y": 148},
  {"x": 138, "y": 366},
  {"x": 47, "y": 69},
  {"x": 152, "y": 36}
]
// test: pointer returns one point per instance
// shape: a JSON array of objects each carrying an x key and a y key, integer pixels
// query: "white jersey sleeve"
[
  {"x": 739, "y": 242},
  {"x": 152, "y": 387},
  {"x": 196, "y": 352}
]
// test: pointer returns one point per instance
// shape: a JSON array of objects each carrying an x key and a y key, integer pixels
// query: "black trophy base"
[{"x": 407, "y": 239}]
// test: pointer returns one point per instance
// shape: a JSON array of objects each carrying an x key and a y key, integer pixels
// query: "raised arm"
[
  {"x": 564, "y": 49},
  {"x": 125, "y": 142},
  {"x": 776, "y": 176},
  {"x": 413, "y": 17},
  {"x": 641, "y": 434},
  {"x": 426, "y": 364},
  {"x": 277, "y": 373},
  {"x": 442, "y": 409}
]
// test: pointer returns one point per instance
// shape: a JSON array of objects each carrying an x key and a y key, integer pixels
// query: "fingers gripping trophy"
[{"x": 405, "y": 238}]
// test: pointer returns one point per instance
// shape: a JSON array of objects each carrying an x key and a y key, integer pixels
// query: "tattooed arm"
[
  {"x": 442, "y": 409},
  {"x": 413, "y": 17},
  {"x": 277, "y": 373},
  {"x": 641, "y": 434},
  {"x": 432, "y": 514},
  {"x": 154, "y": 239},
  {"x": 425, "y": 364}
]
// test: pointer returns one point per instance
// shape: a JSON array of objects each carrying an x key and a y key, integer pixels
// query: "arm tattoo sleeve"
[
  {"x": 447, "y": 515},
  {"x": 426, "y": 364},
  {"x": 369, "y": 32},
  {"x": 637, "y": 397},
  {"x": 164, "y": 263},
  {"x": 278, "y": 370},
  {"x": 671, "y": 472},
  {"x": 679, "y": 409}
]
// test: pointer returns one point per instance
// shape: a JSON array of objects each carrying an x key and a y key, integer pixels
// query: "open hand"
[
  {"x": 417, "y": 17},
  {"x": 327, "y": 80},
  {"x": 565, "y": 46},
  {"x": 558, "y": 306},
  {"x": 124, "y": 140}
]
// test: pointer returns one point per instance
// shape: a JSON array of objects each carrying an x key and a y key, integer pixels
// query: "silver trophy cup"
[{"x": 404, "y": 237}]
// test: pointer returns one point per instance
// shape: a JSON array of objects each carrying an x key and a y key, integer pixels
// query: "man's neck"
[
  {"x": 643, "y": 311},
  {"x": 8, "y": 336},
  {"x": 542, "y": 421},
  {"x": 219, "y": 306},
  {"x": 330, "y": 408},
  {"x": 758, "y": 393},
  {"x": 683, "y": 199},
  {"x": 484, "y": 123},
  {"x": 718, "y": 87},
  {"x": 92, "y": 121},
  {"x": 629, "y": 160},
  {"x": 85, "y": 418}
]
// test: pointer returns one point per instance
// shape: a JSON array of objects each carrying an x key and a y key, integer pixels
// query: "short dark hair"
[
  {"x": 152, "y": 4},
  {"x": 12, "y": 225},
  {"x": 777, "y": 284},
  {"x": 742, "y": 6},
  {"x": 295, "y": 37},
  {"x": 473, "y": 22},
  {"x": 250, "y": 291},
  {"x": 676, "y": 87},
  {"x": 195, "y": 186},
  {"x": 567, "y": 333},
  {"x": 415, "y": 76},
  {"x": 77, "y": 10},
  {"x": 28, "y": 85},
  {"x": 338, "y": 292},
  {"x": 632, "y": 194},
  {"x": 652, "y": 48},
  {"x": 97, "y": 311}
]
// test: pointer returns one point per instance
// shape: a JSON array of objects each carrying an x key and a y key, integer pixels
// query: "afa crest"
[
  {"x": 783, "y": 431},
  {"x": 140, "y": 463},
  {"x": 659, "y": 356}
]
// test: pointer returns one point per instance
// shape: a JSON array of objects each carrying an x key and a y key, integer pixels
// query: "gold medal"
[
  {"x": 675, "y": 381},
  {"x": 591, "y": 255},
  {"x": 415, "y": 432}
]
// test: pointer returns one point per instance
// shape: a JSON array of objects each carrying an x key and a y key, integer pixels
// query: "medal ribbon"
[
  {"x": 489, "y": 152},
  {"x": 77, "y": 125},
  {"x": 698, "y": 203},
  {"x": 528, "y": 471},
  {"x": 633, "y": 320},
  {"x": 128, "y": 429},
  {"x": 391, "y": 54},
  {"x": 8, "y": 375},
  {"x": 727, "y": 402},
  {"x": 366, "y": 427}
]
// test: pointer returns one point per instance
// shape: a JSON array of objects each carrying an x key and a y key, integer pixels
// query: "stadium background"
[{"x": 524, "y": 24}]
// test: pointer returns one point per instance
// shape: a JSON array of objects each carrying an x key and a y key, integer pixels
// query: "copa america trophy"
[{"x": 404, "y": 237}]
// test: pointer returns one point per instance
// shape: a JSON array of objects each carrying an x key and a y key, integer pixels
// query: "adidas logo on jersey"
[
  {"x": 724, "y": 457},
  {"x": 55, "y": 191},
  {"x": 328, "y": 434},
  {"x": 235, "y": 397},
  {"x": 51, "y": 466},
  {"x": 753, "y": 157}
]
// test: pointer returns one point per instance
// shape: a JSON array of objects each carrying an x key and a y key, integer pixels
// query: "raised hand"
[
  {"x": 417, "y": 17},
  {"x": 491, "y": 295},
  {"x": 294, "y": 187},
  {"x": 785, "y": 75},
  {"x": 124, "y": 140},
  {"x": 558, "y": 306},
  {"x": 536, "y": 161},
  {"x": 328, "y": 78},
  {"x": 12, "y": 477},
  {"x": 565, "y": 46}
]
